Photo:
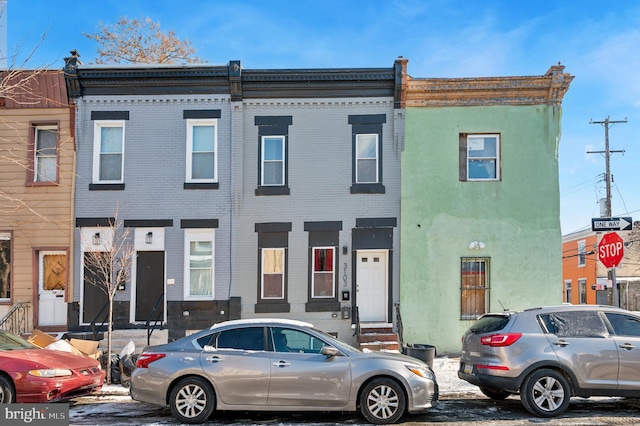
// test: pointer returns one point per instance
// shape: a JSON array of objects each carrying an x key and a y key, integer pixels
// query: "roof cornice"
[{"x": 548, "y": 89}]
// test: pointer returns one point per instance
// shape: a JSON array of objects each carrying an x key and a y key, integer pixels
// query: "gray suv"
[{"x": 549, "y": 354}]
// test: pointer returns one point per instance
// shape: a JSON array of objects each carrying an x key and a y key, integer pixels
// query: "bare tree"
[
  {"x": 140, "y": 41},
  {"x": 110, "y": 266}
]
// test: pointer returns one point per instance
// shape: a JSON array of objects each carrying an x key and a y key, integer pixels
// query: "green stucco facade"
[{"x": 517, "y": 218}]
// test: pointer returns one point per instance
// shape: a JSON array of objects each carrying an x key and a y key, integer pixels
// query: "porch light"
[
  {"x": 148, "y": 238},
  {"x": 96, "y": 239}
]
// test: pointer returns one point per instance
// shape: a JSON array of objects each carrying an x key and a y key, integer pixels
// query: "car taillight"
[
  {"x": 145, "y": 359},
  {"x": 495, "y": 340}
]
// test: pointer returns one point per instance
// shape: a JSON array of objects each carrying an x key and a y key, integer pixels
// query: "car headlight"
[
  {"x": 49, "y": 372},
  {"x": 425, "y": 373}
]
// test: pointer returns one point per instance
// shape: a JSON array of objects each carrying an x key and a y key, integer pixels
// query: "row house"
[
  {"x": 480, "y": 201},
  {"x": 37, "y": 157},
  {"x": 246, "y": 193},
  {"x": 586, "y": 280}
]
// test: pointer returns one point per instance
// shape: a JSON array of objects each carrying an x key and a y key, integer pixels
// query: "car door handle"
[
  {"x": 213, "y": 359},
  {"x": 627, "y": 346},
  {"x": 281, "y": 364},
  {"x": 562, "y": 343}
]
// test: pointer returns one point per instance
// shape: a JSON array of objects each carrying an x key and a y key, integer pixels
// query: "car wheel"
[
  {"x": 545, "y": 393},
  {"x": 495, "y": 394},
  {"x": 382, "y": 401},
  {"x": 192, "y": 400},
  {"x": 7, "y": 394}
]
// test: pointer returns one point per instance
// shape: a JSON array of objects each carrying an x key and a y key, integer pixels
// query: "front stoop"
[{"x": 378, "y": 337}]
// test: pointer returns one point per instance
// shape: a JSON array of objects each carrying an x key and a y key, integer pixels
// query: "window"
[
  {"x": 248, "y": 339},
  {"x": 108, "y": 152},
  {"x": 574, "y": 324},
  {"x": 474, "y": 287},
  {"x": 288, "y": 340},
  {"x": 366, "y": 158},
  {"x": 479, "y": 157},
  {"x": 45, "y": 161},
  {"x": 624, "y": 325},
  {"x": 273, "y": 141},
  {"x": 366, "y": 133},
  {"x": 199, "y": 262},
  {"x": 202, "y": 151},
  {"x": 567, "y": 291},
  {"x": 5, "y": 266},
  {"x": 582, "y": 288},
  {"x": 582, "y": 254},
  {"x": 273, "y": 160},
  {"x": 272, "y": 273},
  {"x": 323, "y": 275}
]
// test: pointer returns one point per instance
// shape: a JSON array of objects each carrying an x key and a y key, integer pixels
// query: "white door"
[
  {"x": 372, "y": 285},
  {"x": 52, "y": 284}
]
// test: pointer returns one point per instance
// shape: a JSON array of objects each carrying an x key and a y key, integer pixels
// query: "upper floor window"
[
  {"x": 480, "y": 157},
  {"x": 582, "y": 253},
  {"x": 474, "y": 287},
  {"x": 5, "y": 266},
  {"x": 273, "y": 160},
  {"x": 108, "y": 152},
  {"x": 273, "y": 140},
  {"x": 199, "y": 263},
  {"x": 366, "y": 133},
  {"x": 202, "y": 151},
  {"x": 367, "y": 158},
  {"x": 45, "y": 154}
]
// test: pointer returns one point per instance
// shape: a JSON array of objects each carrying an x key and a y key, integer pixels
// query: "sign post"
[{"x": 610, "y": 253}]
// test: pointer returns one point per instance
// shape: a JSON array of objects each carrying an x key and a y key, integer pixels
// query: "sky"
[{"x": 598, "y": 43}]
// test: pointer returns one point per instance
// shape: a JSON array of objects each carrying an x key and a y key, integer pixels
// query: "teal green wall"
[{"x": 518, "y": 217}]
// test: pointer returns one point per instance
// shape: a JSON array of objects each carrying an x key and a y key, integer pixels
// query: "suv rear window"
[{"x": 489, "y": 324}]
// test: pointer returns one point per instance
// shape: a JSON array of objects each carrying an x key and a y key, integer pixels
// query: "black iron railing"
[
  {"x": 16, "y": 321},
  {"x": 151, "y": 328},
  {"x": 399, "y": 326},
  {"x": 95, "y": 328}
]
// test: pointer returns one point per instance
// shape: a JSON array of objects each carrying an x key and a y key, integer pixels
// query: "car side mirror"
[{"x": 329, "y": 351}]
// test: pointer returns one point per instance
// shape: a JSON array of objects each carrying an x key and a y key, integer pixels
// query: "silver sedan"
[{"x": 279, "y": 365}]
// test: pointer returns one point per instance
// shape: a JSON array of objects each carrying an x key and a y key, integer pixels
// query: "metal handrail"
[
  {"x": 95, "y": 330},
  {"x": 357, "y": 331},
  {"x": 147, "y": 323},
  {"x": 399, "y": 328},
  {"x": 16, "y": 320}
]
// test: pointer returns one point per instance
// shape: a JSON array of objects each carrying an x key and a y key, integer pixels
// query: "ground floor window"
[
  {"x": 5, "y": 266},
  {"x": 474, "y": 287}
]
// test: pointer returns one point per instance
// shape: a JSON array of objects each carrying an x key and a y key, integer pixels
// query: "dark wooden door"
[{"x": 150, "y": 285}]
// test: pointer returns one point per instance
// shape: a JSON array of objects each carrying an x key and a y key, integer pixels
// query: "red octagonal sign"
[{"x": 611, "y": 250}]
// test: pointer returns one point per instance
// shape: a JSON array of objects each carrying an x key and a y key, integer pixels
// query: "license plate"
[{"x": 468, "y": 369}]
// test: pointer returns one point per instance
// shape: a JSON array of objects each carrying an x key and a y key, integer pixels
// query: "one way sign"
[{"x": 611, "y": 224}]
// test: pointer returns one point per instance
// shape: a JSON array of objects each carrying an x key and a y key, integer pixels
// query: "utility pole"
[
  {"x": 607, "y": 206},
  {"x": 607, "y": 154}
]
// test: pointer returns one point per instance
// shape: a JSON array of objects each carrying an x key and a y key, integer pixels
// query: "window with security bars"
[{"x": 474, "y": 287}]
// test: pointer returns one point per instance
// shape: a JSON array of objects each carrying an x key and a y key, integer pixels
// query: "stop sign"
[{"x": 611, "y": 250}]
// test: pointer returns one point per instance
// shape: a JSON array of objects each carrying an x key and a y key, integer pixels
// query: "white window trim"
[
  {"x": 191, "y": 235},
  {"x": 36, "y": 170},
  {"x": 377, "y": 158},
  {"x": 497, "y": 157},
  {"x": 262, "y": 273},
  {"x": 283, "y": 161},
  {"x": 332, "y": 273},
  {"x": 191, "y": 123},
  {"x": 97, "y": 143}
]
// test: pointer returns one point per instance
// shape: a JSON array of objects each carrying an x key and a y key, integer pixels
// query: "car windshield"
[
  {"x": 10, "y": 342},
  {"x": 489, "y": 324}
]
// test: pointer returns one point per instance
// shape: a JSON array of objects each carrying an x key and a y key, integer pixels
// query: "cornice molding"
[{"x": 548, "y": 89}]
